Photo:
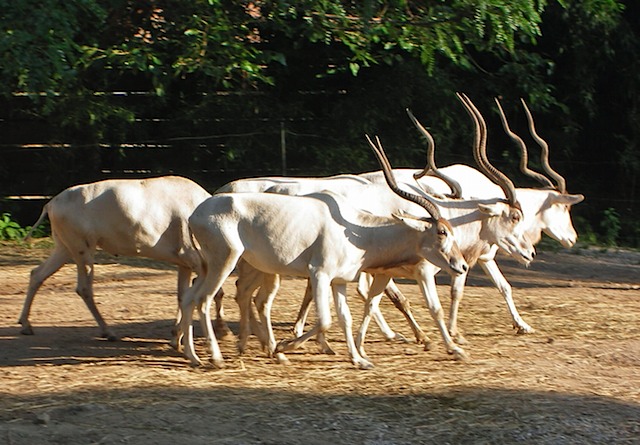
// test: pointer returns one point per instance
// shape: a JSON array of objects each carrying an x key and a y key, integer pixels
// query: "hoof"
[
  {"x": 266, "y": 347},
  {"x": 326, "y": 349},
  {"x": 428, "y": 345},
  {"x": 241, "y": 347},
  {"x": 270, "y": 351},
  {"x": 363, "y": 354},
  {"x": 523, "y": 330},
  {"x": 459, "y": 355},
  {"x": 282, "y": 359},
  {"x": 110, "y": 337},
  {"x": 459, "y": 338},
  {"x": 364, "y": 364},
  {"x": 397, "y": 337},
  {"x": 422, "y": 339},
  {"x": 222, "y": 330},
  {"x": 27, "y": 330},
  {"x": 218, "y": 364},
  {"x": 175, "y": 344},
  {"x": 297, "y": 331},
  {"x": 281, "y": 346}
]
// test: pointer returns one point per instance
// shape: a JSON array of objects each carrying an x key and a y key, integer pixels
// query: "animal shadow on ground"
[{"x": 144, "y": 342}]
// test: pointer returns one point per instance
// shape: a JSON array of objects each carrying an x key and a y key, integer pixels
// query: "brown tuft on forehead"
[
  {"x": 446, "y": 223},
  {"x": 516, "y": 205}
]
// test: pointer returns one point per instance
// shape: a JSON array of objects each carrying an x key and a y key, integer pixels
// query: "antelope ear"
[
  {"x": 418, "y": 224},
  {"x": 490, "y": 209},
  {"x": 562, "y": 198}
]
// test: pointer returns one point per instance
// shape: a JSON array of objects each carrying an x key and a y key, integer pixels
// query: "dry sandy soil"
[{"x": 575, "y": 381}]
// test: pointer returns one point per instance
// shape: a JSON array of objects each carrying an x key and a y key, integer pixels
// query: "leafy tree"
[
  {"x": 68, "y": 57},
  {"x": 192, "y": 75}
]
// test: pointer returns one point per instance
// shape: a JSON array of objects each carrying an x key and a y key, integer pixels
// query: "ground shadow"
[
  {"x": 164, "y": 415},
  {"x": 23, "y": 255},
  {"x": 559, "y": 269},
  {"x": 144, "y": 342}
]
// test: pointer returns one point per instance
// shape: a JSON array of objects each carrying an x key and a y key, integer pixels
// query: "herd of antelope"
[{"x": 368, "y": 228}]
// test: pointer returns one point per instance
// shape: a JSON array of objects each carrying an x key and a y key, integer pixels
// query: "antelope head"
[
  {"x": 508, "y": 222},
  {"x": 442, "y": 239},
  {"x": 553, "y": 215}
]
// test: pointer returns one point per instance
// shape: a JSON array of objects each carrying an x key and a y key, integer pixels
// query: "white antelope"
[
  {"x": 292, "y": 185},
  {"x": 133, "y": 217},
  {"x": 282, "y": 185},
  {"x": 545, "y": 210},
  {"x": 478, "y": 223},
  {"x": 321, "y": 237},
  {"x": 475, "y": 241}
]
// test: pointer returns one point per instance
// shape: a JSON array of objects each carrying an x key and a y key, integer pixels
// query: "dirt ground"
[{"x": 575, "y": 381}]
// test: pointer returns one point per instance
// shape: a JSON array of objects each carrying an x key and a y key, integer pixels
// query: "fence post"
[{"x": 283, "y": 148}]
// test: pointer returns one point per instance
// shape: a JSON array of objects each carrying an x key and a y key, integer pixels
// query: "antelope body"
[
  {"x": 479, "y": 224},
  {"x": 546, "y": 210},
  {"x": 133, "y": 217},
  {"x": 321, "y": 237}
]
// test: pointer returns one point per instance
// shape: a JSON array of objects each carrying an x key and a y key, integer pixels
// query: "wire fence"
[{"x": 32, "y": 172}]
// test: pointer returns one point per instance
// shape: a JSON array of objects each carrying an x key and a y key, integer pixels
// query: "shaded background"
[{"x": 218, "y": 90}]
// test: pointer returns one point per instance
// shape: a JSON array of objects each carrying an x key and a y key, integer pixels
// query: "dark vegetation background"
[{"x": 213, "y": 90}]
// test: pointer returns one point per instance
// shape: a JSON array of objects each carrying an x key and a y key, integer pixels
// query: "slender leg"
[
  {"x": 85, "y": 267},
  {"x": 249, "y": 279},
  {"x": 58, "y": 258},
  {"x": 184, "y": 281},
  {"x": 321, "y": 289},
  {"x": 185, "y": 328},
  {"x": 178, "y": 334},
  {"x": 221, "y": 326},
  {"x": 491, "y": 269},
  {"x": 364, "y": 285},
  {"x": 425, "y": 274},
  {"x": 457, "y": 292},
  {"x": 214, "y": 348},
  {"x": 374, "y": 300},
  {"x": 344, "y": 317},
  {"x": 402, "y": 304},
  {"x": 379, "y": 283},
  {"x": 264, "y": 302},
  {"x": 303, "y": 313},
  {"x": 200, "y": 296}
]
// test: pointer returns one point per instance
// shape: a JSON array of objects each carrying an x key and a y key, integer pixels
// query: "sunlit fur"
[
  {"x": 479, "y": 223},
  {"x": 135, "y": 217},
  {"x": 322, "y": 237}
]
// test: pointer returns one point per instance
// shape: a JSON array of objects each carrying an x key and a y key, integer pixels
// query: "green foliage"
[
  {"x": 69, "y": 56},
  {"x": 632, "y": 228},
  {"x": 9, "y": 229},
  {"x": 98, "y": 72},
  {"x": 586, "y": 234},
  {"x": 39, "y": 54},
  {"x": 629, "y": 234},
  {"x": 610, "y": 226}
]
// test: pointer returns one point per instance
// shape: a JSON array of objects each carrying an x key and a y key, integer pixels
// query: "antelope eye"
[
  {"x": 516, "y": 217},
  {"x": 442, "y": 232}
]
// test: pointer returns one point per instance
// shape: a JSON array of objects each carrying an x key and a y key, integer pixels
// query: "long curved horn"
[
  {"x": 524, "y": 157},
  {"x": 393, "y": 185},
  {"x": 454, "y": 185},
  {"x": 479, "y": 138},
  {"x": 480, "y": 152},
  {"x": 562, "y": 184}
]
